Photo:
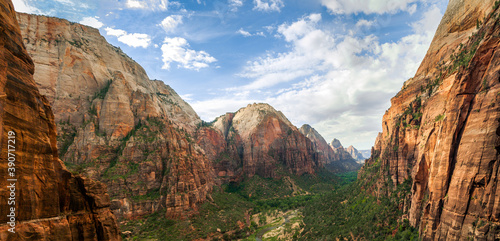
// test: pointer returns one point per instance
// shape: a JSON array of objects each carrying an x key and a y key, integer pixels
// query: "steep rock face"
[
  {"x": 335, "y": 144},
  {"x": 355, "y": 153},
  {"x": 442, "y": 130},
  {"x": 223, "y": 147},
  {"x": 338, "y": 160},
  {"x": 114, "y": 123},
  {"x": 260, "y": 140},
  {"x": 50, "y": 202}
]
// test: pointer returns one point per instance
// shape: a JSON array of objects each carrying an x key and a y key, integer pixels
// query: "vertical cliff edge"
[
  {"x": 441, "y": 134},
  {"x": 46, "y": 200}
]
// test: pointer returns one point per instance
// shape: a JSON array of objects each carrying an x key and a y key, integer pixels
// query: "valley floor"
[{"x": 323, "y": 207}]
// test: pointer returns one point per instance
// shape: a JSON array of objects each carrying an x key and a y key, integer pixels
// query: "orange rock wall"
[
  {"x": 116, "y": 125},
  {"x": 442, "y": 130},
  {"x": 50, "y": 202}
]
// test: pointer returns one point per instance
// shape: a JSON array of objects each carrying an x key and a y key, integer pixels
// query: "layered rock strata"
[
  {"x": 46, "y": 200},
  {"x": 114, "y": 123},
  {"x": 258, "y": 140},
  {"x": 442, "y": 133}
]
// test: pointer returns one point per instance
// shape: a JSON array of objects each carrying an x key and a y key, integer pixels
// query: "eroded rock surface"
[
  {"x": 258, "y": 140},
  {"x": 114, "y": 123},
  {"x": 50, "y": 202},
  {"x": 442, "y": 130}
]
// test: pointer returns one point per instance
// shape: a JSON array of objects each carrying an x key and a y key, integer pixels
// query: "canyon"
[
  {"x": 100, "y": 143},
  {"x": 141, "y": 139}
]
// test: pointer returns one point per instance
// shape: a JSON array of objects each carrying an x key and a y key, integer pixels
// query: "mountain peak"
[
  {"x": 336, "y": 143},
  {"x": 248, "y": 118}
]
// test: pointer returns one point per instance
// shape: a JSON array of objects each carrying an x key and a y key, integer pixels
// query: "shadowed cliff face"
[
  {"x": 116, "y": 125},
  {"x": 259, "y": 140},
  {"x": 50, "y": 202},
  {"x": 442, "y": 130},
  {"x": 336, "y": 159}
]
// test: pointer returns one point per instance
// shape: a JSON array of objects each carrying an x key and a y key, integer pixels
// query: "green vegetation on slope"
[
  {"x": 331, "y": 206},
  {"x": 350, "y": 213}
]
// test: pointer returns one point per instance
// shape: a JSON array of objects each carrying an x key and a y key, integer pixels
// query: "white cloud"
[
  {"x": 92, "y": 22},
  {"x": 153, "y": 5},
  {"x": 115, "y": 32},
  {"x": 66, "y": 2},
  {"x": 342, "y": 83},
  {"x": 135, "y": 4},
  {"x": 268, "y": 5},
  {"x": 235, "y": 4},
  {"x": 270, "y": 28},
  {"x": 131, "y": 39},
  {"x": 24, "y": 7},
  {"x": 187, "y": 97},
  {"x": 170, "y": 23},
  {"x": 412, "y": 9},
  {"x": 364, "y": 23},
  {"x": 177, "y": 50},
  {"x": 369, "y": 6},
  {"x": 244, "y": 33}
]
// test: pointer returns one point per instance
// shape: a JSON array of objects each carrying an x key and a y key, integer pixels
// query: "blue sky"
[{"x": 333, "y": 64}]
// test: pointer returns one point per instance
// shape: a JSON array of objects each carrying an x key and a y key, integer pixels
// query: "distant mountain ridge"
[
  {"x": 257, "y": 139},
  {"x": 336, "y": 157},
  {"x": 355, "y": 153}
]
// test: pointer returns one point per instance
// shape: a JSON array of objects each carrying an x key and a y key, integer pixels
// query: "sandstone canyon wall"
[
  {"x": 50, "y": 202},
  {"x": 441, "y": 134},
  {"x": 114, "y": 123}
]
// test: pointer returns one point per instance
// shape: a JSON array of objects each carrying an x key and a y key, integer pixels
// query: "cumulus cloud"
[
  {"x": 268, "y": 5},
  {"x": 235, "y": 4},
  {"x": 92, "y": 22},
  {"x": 154, "y": 5},
  {"x": 339, "y": 83},
  {"x": 131, "y": 39},
  {"x": 178, "y": 50},
  {"x": 24, "y": 7},
  {"x": 170, "y": 23},
  {"x": 369, "y": 6},
  {"x": 244, "y": 33}
]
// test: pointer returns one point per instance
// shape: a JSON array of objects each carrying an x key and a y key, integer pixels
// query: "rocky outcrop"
[
  {"x": 45, "y": 199},
  {"x": 335, "y": 144},
  {"x": 338, "y": 159},
  {"x": 441, "y": 134},
  {"x": 258, "y": 140},
  {"x": 355, "y": 153},
  {"x": 114, "y": 123}
]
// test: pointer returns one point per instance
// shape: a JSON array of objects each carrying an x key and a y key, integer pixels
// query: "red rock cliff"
[
  {"x": 259, "y": 140},
  {"x": 114, "y": 123},
  {"x": 442, "y": 130},
  {"x": 50, "y": 202}
]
